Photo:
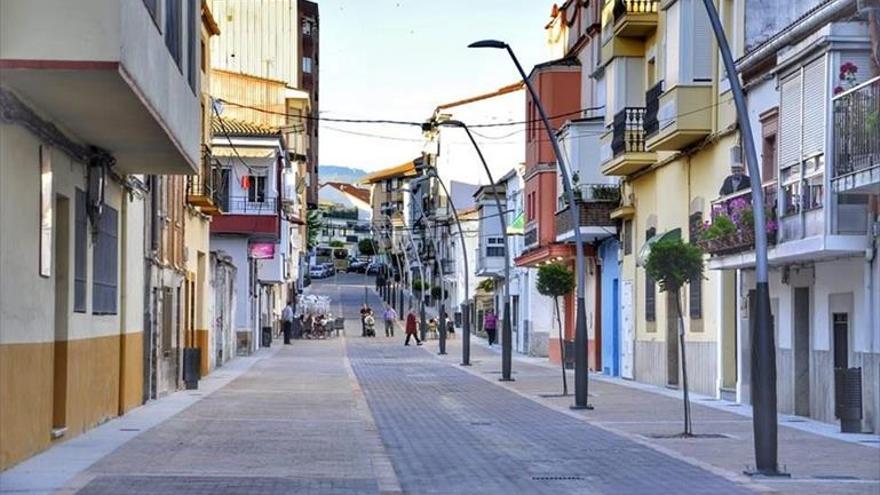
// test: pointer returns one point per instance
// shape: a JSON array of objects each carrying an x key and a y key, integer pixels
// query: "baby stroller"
[{"x": 370, "y": 325}]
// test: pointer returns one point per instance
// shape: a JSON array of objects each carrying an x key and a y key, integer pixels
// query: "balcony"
[
  {"x": 856, "y": 139},
  {"x": 530, "y": 235},
  {"x": 677, "y": 117},
  {"x": 595, "y": 202},
  {"x": 103, "y": 72},
  {"x": 203, "y": 190},
  {"x": 242, "y": 215},
  {"x": 489, "y": 265},
  {"x": 635, "y": 18},
  {"x": 627, "y": 144}
]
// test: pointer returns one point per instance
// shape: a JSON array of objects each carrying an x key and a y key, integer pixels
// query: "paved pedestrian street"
[{"x": 353, "y": 415}]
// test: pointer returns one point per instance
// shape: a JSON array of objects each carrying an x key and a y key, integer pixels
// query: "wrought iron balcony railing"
[
  {"x": 628, "y": 131},
  {"x": 857, "y": 130}
]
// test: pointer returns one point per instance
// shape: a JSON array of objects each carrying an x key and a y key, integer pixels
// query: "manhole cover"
[{"x": 557, "y": 478}]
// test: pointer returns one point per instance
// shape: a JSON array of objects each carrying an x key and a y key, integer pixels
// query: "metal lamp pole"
[
  {"x": 466, "y": 317},
  {"x": 442, "y": 331},
  {"x": 581, "y": 379},
  {"x": 763, "y": 390},
  {"x": 506, "y": 331}
]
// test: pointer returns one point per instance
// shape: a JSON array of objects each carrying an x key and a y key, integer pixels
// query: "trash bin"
[
  {"x": 266, "y": 340},
  {"x": 569, "y": 354},
  {"x": 848, "y": 399},
  {"x": 192, "y": 358}
]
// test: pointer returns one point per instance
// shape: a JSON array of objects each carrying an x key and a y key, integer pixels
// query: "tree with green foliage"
[
  {"x": 336, "y": 243},
  {"x": 367, "y": 247},
  {"x": 487, "y": 285},
  {"x": 673, "y": 263},
  {"x": 556, "y": 280},
  {"x": 314, "y": 224}
]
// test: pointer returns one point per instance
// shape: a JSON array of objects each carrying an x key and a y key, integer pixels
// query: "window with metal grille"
[
  {"x": 79, "y": 253},
  {"x": 105, "y": 269},
  {"x": 650, "y": 287},
  {"x": 695, "y": 290},
  {"x": 627, "y": 237},
  {"x": 173, "y": 27}
]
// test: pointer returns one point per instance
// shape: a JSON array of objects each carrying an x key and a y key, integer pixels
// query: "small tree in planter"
[
  {"x": 366, "y": 247},
  {"x": 556, "y": 280},
  {"x": 672, "y": 264}
]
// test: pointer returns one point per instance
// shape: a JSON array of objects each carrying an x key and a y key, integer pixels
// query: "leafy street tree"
[
  {"x": 556, "y": 280},
  {"x": 673, "y": 263},
  {"x": 336, "y": 243},
  {"x": 314, "y": 224},
  {"x": 366, "y": 247}
]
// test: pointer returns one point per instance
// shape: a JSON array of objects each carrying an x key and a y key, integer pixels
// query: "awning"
[
  {"x": 645, "y": 251},
  {"x": 518, "y": 225}
]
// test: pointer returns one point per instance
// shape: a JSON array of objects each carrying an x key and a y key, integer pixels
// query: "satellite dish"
[{"x": 645, "y": 251}]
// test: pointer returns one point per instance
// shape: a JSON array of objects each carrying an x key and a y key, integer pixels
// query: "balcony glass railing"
[
  {"x": 628, "y": 131},
  {"x": 857, "y": 129}
]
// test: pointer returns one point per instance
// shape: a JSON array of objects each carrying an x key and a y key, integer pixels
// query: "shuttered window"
[
  {"x": 790, "y": 121},
  {"x": 814, "y": 107},
  {"x": 105, "y": 264},
  {"x": 695, "y": 286},
  {"x": 702, "y": 43},
  {"x": 81, "y": 224},
  {"x": 173, "y": 25},
  {"x": 192, "y": 27},
  {"x": 650, "y": 287}
]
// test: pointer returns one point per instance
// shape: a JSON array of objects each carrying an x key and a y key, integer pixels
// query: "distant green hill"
[{"x": 336, "y": 173}]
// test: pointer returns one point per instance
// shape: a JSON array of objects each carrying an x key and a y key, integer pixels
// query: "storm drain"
[
  {"x": 129, "y": 429},
  {"x": 480, "y": 423},
  {"x": 695, "y": 436},
  {"x": 558, "y": 478},
  {"x": 835, "y": 477}
]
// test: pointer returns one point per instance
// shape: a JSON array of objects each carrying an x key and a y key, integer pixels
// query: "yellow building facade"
[{"x": 670, "y": 137}]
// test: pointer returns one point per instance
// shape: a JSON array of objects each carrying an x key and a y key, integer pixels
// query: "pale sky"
[{"x": 399, "y": 59}]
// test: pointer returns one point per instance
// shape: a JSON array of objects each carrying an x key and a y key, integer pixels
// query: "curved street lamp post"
[{"x": 581, "y": 378}]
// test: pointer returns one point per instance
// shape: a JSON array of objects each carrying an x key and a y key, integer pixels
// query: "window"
[
  {"x": 105, "y": 264},
  {"x": 79, "y": 252},
  {"x": 172, "y": 30},
  {"x": 192, "y": 28},
  {"x": 46, "y": 213},
  {"x": 495, "y": 246},
  {"x": 627, "y": 237},
  {"x": 307, "y": 65},
  {"x": 257, "y": 191},
  {"x": 306, "y": 27},
  {"x": 389, "y": 186},
  {"x": 769, "y": 129},
  {"x": 650, "y": 288},
  {"x": 203, "y": 55},
  {"x": 695, "y": 291}
]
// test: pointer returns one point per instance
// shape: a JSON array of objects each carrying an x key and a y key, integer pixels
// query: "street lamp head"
[{"x": 488, "y": 44}]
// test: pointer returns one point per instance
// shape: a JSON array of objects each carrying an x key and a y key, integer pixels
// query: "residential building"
[
  {"x": 308, "y": 48},
  {"x": 255, "y": 227},
  {"x": 108, "y": 97},
  {"x": 814, "y": 96},
  {"x": 558, "y": 84},
  {"x": 346, "y": 213},
  {"x": 489, "y": 256},
  {"x": 675, "y": 136}
]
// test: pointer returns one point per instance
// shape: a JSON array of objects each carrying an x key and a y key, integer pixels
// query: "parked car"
[
  {"x": 317, "y": 271},
  {"x": 357, "y": 266},
  {"x": 373, "y": 268},
  {"x": 330, "y": 269}
]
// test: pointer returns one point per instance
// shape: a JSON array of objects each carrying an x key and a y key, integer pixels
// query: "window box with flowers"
[{"x": 732, "y": 230}]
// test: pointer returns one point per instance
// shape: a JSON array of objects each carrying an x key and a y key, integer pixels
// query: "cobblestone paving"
[{"x": 450, "y": 432}]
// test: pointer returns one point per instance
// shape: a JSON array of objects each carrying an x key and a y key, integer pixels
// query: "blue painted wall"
[{"x": 610, "y": 307}]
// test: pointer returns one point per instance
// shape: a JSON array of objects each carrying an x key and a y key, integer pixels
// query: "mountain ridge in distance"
[{"x": 339, "y": 173}]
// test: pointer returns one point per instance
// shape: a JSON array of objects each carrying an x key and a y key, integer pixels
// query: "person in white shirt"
[{"x": 287, "y": 322}]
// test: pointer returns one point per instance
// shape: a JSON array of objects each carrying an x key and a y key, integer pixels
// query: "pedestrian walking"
[
  {"x": 364, "y": 311},
  {"x": 412, "y": 327},
  {"x": 389, "y": 316},
  {"x": 287, "y": 322},
  {"x": 450, "y": 326},
  {"x": 432, "y": 327},
  {"x": 490, "y": 324}
]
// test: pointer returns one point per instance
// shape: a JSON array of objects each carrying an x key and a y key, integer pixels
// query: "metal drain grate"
[
  {"x": 834, "y": 477},
  {"x": 129, "y": 429},
  {"x": 558, "y": 478},
  {"x": 480, "y": 423},
  {"x": 680, "y": 436},
  {"x": 795, "y": 420}
]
